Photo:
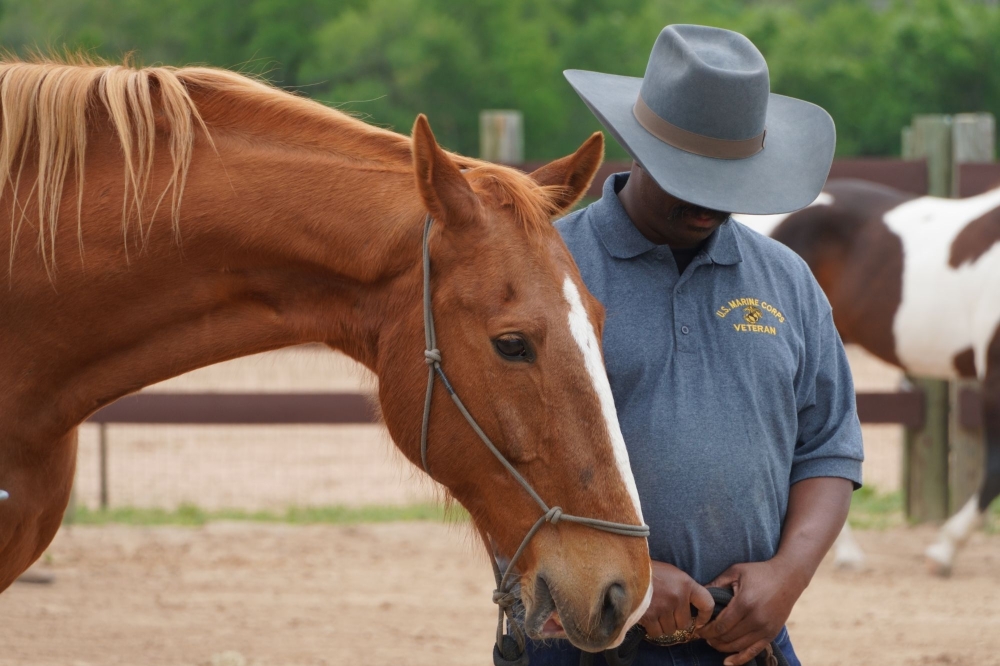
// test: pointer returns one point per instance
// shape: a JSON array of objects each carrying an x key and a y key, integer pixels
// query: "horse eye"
[{"x": 513, "y": 348}]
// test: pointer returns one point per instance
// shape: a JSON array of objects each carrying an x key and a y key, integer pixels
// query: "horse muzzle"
[{"x": 592, "y": 624}]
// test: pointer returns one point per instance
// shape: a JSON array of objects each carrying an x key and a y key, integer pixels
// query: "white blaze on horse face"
[
  {"x": 765, "y": 224},
  {"x": 583, "y": 332},
  {"x": 943, "y": 310}
]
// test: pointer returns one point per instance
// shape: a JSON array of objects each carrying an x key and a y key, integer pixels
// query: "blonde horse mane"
[
  {"x": 47, "y": 106},
  {"x": 44, "y": 106}
]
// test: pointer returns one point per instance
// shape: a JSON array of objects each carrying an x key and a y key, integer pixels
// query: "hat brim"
[{"x": 788, "y": 174}]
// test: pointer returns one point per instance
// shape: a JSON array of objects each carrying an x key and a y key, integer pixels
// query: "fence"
[
  {"x": 266, "y": 451},
  {"x": 254, "y": 451},
  {"x": 265, "y": 432},
  {"x": 904, "y": 408}
]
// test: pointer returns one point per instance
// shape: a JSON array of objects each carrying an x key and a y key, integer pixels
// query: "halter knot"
[
  {"x": 432, "y": 356},
  {"x": 504, "y": 599},
  {"x": 553, "y": 515}
]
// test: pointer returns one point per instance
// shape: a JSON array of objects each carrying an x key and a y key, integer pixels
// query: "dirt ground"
[{"x": 419, "y": 594}]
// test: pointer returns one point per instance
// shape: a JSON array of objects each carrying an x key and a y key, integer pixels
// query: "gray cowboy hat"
[{"x": 704, "y": 124}]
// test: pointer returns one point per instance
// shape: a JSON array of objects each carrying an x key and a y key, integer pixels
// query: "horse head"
[{"x": 518, "y": 335}]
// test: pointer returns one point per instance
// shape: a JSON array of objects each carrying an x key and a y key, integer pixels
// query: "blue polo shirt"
[{"x": 730, "y": 381}]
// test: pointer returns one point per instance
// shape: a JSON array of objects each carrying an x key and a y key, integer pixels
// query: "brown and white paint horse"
[
  {"x": 159, "y": 220},
  {"x": 915, "y": 281}
]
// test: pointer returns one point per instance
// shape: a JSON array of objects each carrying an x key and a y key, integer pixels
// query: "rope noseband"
[{"x": 508, "y": 651}]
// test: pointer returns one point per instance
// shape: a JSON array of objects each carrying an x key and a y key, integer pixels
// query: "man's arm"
[
  {"x": 826, "y": 467},
  {"x": 765, "y": 592}
]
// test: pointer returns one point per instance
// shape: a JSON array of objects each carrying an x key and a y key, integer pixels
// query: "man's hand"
[
  {"x": 674, "y": 592},
  {"x": 763, "y": 596},
  {"x": 764, "y": 592}
]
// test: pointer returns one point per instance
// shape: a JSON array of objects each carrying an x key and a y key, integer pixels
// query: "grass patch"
[
  {"x": 873, "y": 510},
  {"x": 869, "y": 510},
  {"x": 192, "y": 516},
  {"x": 993, "y": 518}
]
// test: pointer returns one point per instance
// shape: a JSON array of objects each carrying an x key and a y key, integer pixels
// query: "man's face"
[
  {"x": 662, "y": 217},
  {"x": 690, "y": 221}
]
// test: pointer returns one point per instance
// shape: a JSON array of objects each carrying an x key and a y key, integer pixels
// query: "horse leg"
[
  {"x": 38, "y": 481},
  {"x": 952, "y": 536},
  {"x": 991, "y": 425},
  {"x": 958, "y": 528},
  {"x": 847, "y": 552}
]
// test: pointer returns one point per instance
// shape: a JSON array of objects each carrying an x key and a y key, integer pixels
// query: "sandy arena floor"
[{"x": 418, "y": 594}]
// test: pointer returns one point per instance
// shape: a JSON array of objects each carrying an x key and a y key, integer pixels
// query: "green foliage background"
[{"x": 871, "y": 63}]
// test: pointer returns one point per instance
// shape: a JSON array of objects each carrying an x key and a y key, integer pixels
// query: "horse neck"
[{"x": 278, "y": 247}]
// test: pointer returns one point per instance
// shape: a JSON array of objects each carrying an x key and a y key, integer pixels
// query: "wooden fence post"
[
  {"x": 943, "y": 463},
  {"x": 925, "y": 455},
  {"x": 973, "y": 140},
  {"x": 930, "y": 138},
  {"x": 501, "y": 136},
  {"x": 967, "y": 459}
]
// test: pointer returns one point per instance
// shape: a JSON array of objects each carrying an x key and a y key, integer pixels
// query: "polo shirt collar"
[
  {"x": 723, "y": 246},
  {"x": 613, "y": 225},
  {"x": 623, "y": 241}
]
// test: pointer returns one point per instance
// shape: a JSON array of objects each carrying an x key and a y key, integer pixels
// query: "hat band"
[{"x": 699, "y": 144}]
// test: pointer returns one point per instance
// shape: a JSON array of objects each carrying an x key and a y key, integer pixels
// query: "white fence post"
[{"x": 501, "y": 136}]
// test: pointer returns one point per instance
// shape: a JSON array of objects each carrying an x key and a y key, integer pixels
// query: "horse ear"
[
  {"x": 573, "y": 173},
  {"x": 445, "y": 192}
]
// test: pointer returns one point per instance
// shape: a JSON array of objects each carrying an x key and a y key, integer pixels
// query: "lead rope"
[{"x": 506, "y": 652}]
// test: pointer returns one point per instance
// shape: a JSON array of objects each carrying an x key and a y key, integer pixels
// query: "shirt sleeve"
[{"x": 829, "y": 434}]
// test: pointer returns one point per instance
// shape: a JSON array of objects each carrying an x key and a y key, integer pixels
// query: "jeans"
[{"x": 696, "y": 653}]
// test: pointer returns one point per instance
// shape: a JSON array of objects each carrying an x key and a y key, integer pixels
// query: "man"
[{"x": 731, "y": 383}]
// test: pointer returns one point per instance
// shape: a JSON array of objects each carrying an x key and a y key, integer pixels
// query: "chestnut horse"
[
  {"x": 916, "y": 282},
  {"x": 162, "y": 219}
]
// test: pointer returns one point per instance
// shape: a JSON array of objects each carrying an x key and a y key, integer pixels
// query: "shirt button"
[
  {"x": 659, "y": 254},
  {"x": 685, "y": 330}
]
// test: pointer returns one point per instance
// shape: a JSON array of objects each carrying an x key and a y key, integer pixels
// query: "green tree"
[{"x": 871, "y": 63}]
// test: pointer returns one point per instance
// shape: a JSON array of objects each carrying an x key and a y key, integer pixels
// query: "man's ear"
[
  {"x": 445, "y": 192},
  {"x": 572, "y": 173}
]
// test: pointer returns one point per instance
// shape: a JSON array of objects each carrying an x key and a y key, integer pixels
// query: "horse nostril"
[
  {"x": 543, "y": 597},
  {"x": 544, "y": 605},
  {"x": 613, "y": 608}
]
